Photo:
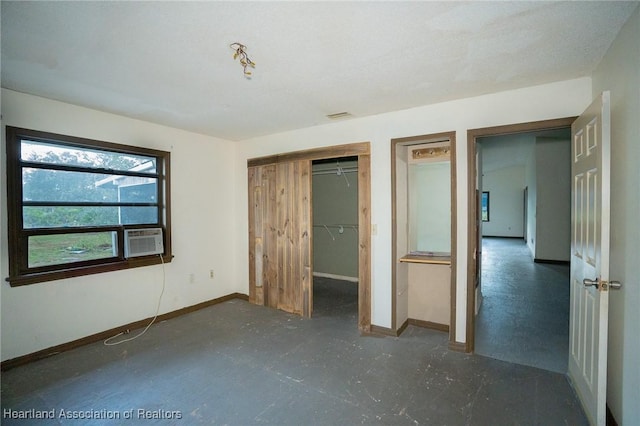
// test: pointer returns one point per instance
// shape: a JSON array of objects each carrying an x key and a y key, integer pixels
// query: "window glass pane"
[
  {"x": 69, "y": 248},
  {"x": 138, "y": 215},
  {"x": 48, "y": 153},
  {"x": 56, "y": 185},
  {"x": 74, "y": 216},
  {"x": 69, "y": 216},
  {"x": 141, "y": 193},
  {"x": 138, "y": 190}
]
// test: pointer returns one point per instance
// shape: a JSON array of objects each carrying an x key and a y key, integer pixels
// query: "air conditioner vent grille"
[{"x": 143, "y": 242}]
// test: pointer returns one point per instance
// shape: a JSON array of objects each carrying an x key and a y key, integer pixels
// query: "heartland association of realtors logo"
[{"x": 133, "y": 413}]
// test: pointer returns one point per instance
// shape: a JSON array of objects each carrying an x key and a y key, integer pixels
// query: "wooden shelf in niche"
[{"x": 431, "y": 258}]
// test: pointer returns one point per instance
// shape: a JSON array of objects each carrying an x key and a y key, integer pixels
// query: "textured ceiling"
[{"x": 170, "y": 62}]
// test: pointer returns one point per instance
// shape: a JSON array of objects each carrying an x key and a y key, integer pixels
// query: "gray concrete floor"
[
  {"x": 524, "y": 316},
  {"x": 240, "y": 364}
]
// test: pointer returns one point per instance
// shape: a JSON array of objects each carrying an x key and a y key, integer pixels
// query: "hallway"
[{"x": 524, "y": 316}]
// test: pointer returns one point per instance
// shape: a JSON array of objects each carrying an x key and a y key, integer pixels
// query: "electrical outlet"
[
  {"x": 192, "y": 278},
  {"x": 211, "y": 274}
]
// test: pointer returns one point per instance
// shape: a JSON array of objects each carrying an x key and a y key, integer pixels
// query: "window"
[
  {"x": 484, "y": 207},
  {"x": 70, "y": 200}
]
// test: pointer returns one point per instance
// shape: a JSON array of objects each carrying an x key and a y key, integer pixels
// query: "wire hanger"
[
  {"x": 340, "y": 171},
  {"x": 327, "y": 228}
]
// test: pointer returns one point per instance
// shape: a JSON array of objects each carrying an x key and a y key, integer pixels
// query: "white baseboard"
[{"x": 336, "y": 277}]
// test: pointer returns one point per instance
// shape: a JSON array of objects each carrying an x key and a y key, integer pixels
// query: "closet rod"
[
  {"x": 333, "y": 171},
  {"x": 340, "y": 229}
]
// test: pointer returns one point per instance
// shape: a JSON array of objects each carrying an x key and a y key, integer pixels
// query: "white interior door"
[{"x": 590, "y": 257}]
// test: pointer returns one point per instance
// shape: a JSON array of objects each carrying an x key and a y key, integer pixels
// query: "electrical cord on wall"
[{"x": 108, "y": 342}]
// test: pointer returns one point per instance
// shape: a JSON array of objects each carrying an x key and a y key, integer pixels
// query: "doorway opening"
[
  {"x": 335, "y": 238},
  {"x": 518, "y": 277}
]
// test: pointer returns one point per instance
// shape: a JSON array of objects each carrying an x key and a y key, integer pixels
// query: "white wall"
[
  {"x": 532, "y": 194},
  {"x": 553, "y": 199},
  {"x": 619, "y": 72},
  {"x": 203, "y": 190},
  {"x": 506, "y": 202},
  {"x": 430, "y": 207},
  {"x": 562, "y": 99}
]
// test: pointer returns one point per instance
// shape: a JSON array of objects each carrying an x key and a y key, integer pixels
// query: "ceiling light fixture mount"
[{"x": 240, "y": 52}]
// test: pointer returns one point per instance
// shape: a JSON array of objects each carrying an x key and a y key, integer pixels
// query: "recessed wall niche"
[
  {"x": 429, "y": 198},
  {"x": 423, "y": 176}
]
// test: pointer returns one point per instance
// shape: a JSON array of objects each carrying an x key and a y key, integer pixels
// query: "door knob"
[
  {"x": 602, "y": 285},
  {"x": 615, "y": 285}
]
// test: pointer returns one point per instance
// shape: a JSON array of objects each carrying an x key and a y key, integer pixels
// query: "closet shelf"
[{"x": 427, "y": 257}]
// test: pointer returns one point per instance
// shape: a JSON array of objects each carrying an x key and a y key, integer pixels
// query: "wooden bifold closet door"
[{"x": 280, "y": 261}]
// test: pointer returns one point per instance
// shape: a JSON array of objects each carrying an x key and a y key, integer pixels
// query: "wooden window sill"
[{"x": 33, "y": 278}]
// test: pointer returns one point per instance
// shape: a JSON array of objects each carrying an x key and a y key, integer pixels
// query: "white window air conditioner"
[{"x": 142, "y": 242}]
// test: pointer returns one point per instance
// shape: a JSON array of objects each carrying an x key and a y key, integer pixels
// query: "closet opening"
[
  {"x": 281, "y": 230},
  {"x": 335, "y": 238}
]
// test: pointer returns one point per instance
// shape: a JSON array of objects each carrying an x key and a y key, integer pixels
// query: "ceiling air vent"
[{"x": 338, "y": 115}]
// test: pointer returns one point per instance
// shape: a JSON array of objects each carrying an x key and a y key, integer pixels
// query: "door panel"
[
  {"x": 590, "y": 257},
  {"x": 279, "y": 236},
  {"x": 364, "y": 243}
]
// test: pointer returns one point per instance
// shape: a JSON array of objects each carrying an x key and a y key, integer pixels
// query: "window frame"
[{"x": 18, "y": 237}]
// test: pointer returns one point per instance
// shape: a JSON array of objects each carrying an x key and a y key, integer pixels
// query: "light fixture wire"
[{"x": 241, "y": 53}]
